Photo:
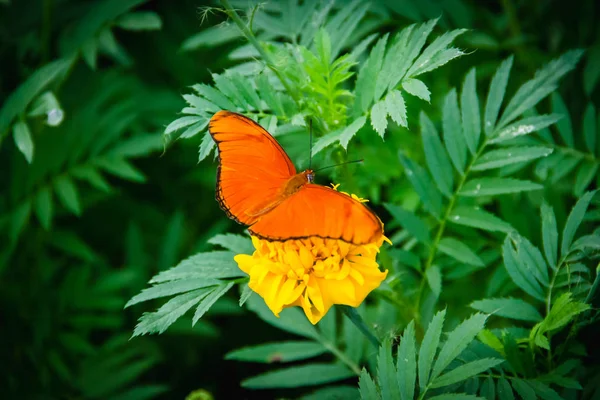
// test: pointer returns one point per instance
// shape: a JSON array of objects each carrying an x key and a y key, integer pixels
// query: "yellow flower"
[{"x": 312, "y": 273}]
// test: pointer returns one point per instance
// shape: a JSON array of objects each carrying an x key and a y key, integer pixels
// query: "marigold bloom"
[{"x": 312, "y": 273}]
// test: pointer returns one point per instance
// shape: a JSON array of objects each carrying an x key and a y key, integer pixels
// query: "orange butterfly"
[{"x": 257, "y": 186}]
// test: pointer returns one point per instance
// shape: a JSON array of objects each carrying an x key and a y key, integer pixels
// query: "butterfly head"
[{"x": 310, "y": 175}]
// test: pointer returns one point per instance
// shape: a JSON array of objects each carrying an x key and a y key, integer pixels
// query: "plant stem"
[
  {"x": 357, "y": 320},
  {"x": 339, "y": 354},
  {"x": 252, "y": 39}
]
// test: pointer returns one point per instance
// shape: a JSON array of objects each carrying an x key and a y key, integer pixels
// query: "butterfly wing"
[
  {"x": 253, "y": 167},
  {"x": 317, "y": 210}
]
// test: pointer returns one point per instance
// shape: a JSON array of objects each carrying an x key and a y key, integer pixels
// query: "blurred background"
[{"x": 94, "y": 202}]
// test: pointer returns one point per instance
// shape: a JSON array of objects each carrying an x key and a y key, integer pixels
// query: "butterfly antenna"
[
  {"x": 310, "y": 143},
  {"x": 337, "y": 165}
]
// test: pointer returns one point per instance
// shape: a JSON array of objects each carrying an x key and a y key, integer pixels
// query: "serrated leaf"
[
  {"x": 386, "y": 373},
  {"x": 67, "y": 193},
  {"x": 523, "y": 390},
  {"x": 574, "y": 220},
  {"x": 459, "y": 251},
  {"x": 409, "y": 221},
  {"x": 211, "y": 37},
  {"x": 236, "y": 243},
  {"x": 379, "y": 117},
  {"x": 396, "y": 108},
  {"x": 562, "y": 312},
  {"x": 586, "y": 173},
  {"x": 245, "y": 294},
  {"x": 504, "y": 390},
  {"x": 171, "y": 288},
  {"x": 351, "y": 130},
  {"x": 419, "y": 178},
  {"x": 544, "y": 391},
  {"x": 304, "y": 375},
  {"x": 429, "y": 348},
  {"x": 496, "y": 95},
  {"x": 406, "y": 363},
  {"x": 544, "y": 82},
  {"x": 488, "y": 389},
  {"x": 436, "y": 157},
  {"x": 455, "y": 396},
  {"x": 417, "y": 88},
  {"x": 508, "y": 308},
  {"x": 496, "y": 186},
  {"x": 524, "y": 127},
  {"x": 120, "y": 167},
  {"x": 591, "y": 71},
  {"x": 453, "y": 133},
  {"x": 478, "y": 218},
  {"x": 160, "y": 320},
  {"x": 208, "y": 301},
  {"x": 565, "y": 128},
  {"x": 140, "y": 21},
  {"x": 508, "y": 156},
  {"x": 589, "y": 128},
  {"x": 23, "y": 140},
  {"x": 279, "y": 352},
  {"x": 469, "y": 105},
  {"x": 465, "y": 371},
  {"x": 211, "y": 265},
  {"x": 367, "y": 78},
  {"x": 457, "y": 341},
  {"x": 290, "y": 319},
  {"x": 518, "y": 271},
  {"x": 434, "y": 279},
  {"x": 367, "y": 388},
  {"x": 90, "y": 174}
]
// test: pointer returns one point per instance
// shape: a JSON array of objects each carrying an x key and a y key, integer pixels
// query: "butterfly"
[{"x": 258, "y": 186}]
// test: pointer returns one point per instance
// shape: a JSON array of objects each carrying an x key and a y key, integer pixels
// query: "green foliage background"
[{"x": 479, "y": 130}]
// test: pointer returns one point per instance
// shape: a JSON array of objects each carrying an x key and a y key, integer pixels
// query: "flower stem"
[
  {"x": 254, "y": 42},
  {"x": 357, "y": 320}
]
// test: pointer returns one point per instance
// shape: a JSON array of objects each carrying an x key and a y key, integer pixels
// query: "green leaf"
[
  {"x": 236, "y": 243},
  {"x": 465, "y": 371},
  {"x": 208, "y": 301},
  {"x": 496, "y": 95},
  {"x": 436, "y": 157},
  {"x": 518, "y": 271},
  {"x": 299, "y": 376},
  {"x": 278, "y": 352},
  {"x": 508, "y": 308},
  {"x": 67, "y": 194},
  {"x": 429, "y": 348},
  {"x": 367, "y": 78},
  {"x": 409, "y": 221},
  {"x": 436, "y": 54},
  {"x": 457, "y": 342},
  {"x": 496, "y": 186},
  {"x": 544, "y": 391},
  {"x": 206, "y": 146},
  {"x": 453, "y": 132},
  {"x": 245, "y": 294},
  {"x": 23, "y": 140},
  {"x": 121, "y": 168},
  {"x": 544, "y": 83},
  {"x": 290, "y": 320},
  {"x": 434, "y": 279},
  {"x": 524, "y": 391},
  {"x": 459, "y": 251},
  {"x": 396, "y": 108},
  {"x": 159, "y": 321},
  {"x": 211, "y": 37},
  {"x": 589, "y": 128},
  {"x": 44, "y": 207},
  {"x": 140, "y": 21},
  {"x": 563, "y": 311},
  {"x": 90, "y": 174},
  {"x": 574, "y": 220},
  {"x": 379, "y": 117},
  {"x": 419, "y": 178},
  {"x": 211, "y": 265},
  {"x": 386, "y": 373},
  {"x": 406, "y": 363},
  {"x": 367, "y": 388},
  {"x": 19, "y": 99},
  {"x": 171, "y": 288},
  {"x": 591, "y": 71},
  {"x": 586, "y": 173},
  {"x": 524, "y": 127},
  {"x": 488, "y": 388},
  {"x": 337, "y": 392},
  {"x": 504, "y": 390},
  {"x": 455, "y": 396},
  {"x": 508, "y": 156},
  {"x": 478, "y": 218},
  {"x": 469, "y": 105},
  {"x": 417, "y": 88},
  {"x": 565, "y": 128}
]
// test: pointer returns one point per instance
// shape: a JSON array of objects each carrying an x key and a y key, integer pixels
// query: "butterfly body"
[{"x": 258, "y": 186}]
